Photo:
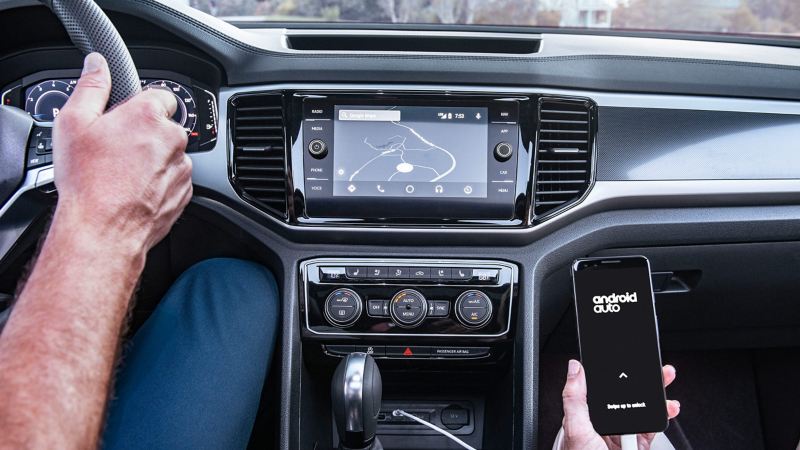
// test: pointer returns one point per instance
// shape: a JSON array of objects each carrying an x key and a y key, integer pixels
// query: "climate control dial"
[
  {"x": 343, "y": 307},
  {"x": 473, "y": 309},
  {"x": 408, "y": 308}
]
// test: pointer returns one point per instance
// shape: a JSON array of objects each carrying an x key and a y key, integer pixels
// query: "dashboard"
[{"x": 424, "y": 205}]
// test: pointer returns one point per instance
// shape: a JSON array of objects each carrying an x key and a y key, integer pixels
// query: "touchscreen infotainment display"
[
  {"x": 410, "y": 151},
  {"x": 410, "y": 157}
]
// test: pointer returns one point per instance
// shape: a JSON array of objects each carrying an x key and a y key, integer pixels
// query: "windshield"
[{"x": 770, "y": 17}]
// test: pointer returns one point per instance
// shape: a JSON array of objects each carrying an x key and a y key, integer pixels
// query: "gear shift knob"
[{"x": 356, "y": 398}]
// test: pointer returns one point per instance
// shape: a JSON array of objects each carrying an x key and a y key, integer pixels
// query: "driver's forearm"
[{"x": 58, "y": 349}]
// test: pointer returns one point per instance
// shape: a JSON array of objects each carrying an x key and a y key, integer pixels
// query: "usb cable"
[{"x": 400, "y": 412}]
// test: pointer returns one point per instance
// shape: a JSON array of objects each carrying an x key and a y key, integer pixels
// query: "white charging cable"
[
  {"x": 400, "y": 412},
  {"x": 628, "y": 442}
]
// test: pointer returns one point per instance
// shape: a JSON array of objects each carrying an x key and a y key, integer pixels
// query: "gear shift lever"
[{"x": 356, "y": 398}]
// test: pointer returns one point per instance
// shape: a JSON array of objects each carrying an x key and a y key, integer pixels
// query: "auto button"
[{"x": 408, "y": 308}]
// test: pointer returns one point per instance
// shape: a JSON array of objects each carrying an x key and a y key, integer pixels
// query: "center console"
[{"x": 423, "y": 321}]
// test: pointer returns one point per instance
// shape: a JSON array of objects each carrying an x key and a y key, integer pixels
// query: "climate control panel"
[{"x": 407, "y": 297}]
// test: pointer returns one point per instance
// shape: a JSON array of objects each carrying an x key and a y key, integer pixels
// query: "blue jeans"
[{"x": 193, "y": 375}]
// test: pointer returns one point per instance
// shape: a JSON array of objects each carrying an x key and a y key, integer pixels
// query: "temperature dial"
[
  {"x": 343, "y": 307},
  {"x": 473, "y": 309}
]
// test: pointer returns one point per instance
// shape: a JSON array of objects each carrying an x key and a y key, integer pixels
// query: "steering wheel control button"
[
  {"x": 459, "y": 352},
  {"x": 41, "y": 140},
  {"x": 378, "y": 308},
  {"x": 485, "y": 276},
  {"x": 408, "y": 308},
  {"x": 356, "y": 272},
  {"x": 318, "y": 148},
  {"x": 438, "y": 308},
  {"x": 331, "y": 273},
  {"x": 343, "y": 307},
  {"x": 405, "y": 351},
  {"x": 473, "y": 309},
  {"x": 503, "y": 151}
]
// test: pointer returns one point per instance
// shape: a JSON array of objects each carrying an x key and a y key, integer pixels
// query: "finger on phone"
[
  {"x": 668, "y": 373},
  {"x": 673, "y": 408}
]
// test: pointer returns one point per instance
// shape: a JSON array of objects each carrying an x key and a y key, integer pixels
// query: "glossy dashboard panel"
[{"x": 685, "y": 144}]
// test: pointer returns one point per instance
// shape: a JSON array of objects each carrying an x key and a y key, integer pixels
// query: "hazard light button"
[{"x": 403, "y": 351}]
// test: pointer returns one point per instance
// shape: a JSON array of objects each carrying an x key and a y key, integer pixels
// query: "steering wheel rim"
[{"x": 91, "y": 31}]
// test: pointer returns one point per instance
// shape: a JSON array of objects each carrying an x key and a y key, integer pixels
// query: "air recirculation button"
[
  {"x": 408, "y": 308},
  {"x": 473, "y": 309}
]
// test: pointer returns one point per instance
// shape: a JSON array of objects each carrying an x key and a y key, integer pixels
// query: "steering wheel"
[{"x": 91, "y": 31}]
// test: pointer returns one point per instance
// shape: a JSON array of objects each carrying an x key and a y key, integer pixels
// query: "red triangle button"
[{"x": 408, "y": 352}]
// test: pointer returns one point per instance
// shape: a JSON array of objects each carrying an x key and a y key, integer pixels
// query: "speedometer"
[
  {"x": 186, "y": 112},
  {"x": 46, "y": 99}
]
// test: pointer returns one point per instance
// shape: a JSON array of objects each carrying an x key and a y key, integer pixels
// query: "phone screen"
[{"x": 619, "y": 347}]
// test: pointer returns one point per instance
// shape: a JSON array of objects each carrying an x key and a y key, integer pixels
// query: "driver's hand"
[
  {"x": 578, "y": 430},
  {"x": 121, "y": 174}
]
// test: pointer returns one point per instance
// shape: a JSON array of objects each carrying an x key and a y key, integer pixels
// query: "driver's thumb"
[
  {"x": 89, "y": 100},
  {"x": 576, "y": 411}
]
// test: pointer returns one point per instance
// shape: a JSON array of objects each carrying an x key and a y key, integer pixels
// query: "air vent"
[
  {"x": 259, "y": 150},
  {"x": 564, "y": 156},
  {"x": 387, "y": 42}
]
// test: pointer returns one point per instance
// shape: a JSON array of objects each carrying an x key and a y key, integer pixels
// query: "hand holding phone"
[
  {"x": 578, "y": 432},
  {"x": 618, "y": 337}
]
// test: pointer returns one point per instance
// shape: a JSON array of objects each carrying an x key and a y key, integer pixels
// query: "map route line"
[
  {"x": 421, "y": 138},
  {"x": 398, "y": 149}
]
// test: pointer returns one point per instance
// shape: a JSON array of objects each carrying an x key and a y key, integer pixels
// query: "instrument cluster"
[{"x": 43, "y": 97}]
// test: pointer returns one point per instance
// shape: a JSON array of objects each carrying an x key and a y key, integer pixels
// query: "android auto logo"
[{"x": 611, "y": 303}]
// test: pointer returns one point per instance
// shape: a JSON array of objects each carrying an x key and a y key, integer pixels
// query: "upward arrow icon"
[{"x": 622, "y": 375}]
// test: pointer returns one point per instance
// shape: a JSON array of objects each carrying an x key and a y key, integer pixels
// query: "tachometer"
[
  {"x": 186, "y": 113},
  {"x": 46, "y": 99}
]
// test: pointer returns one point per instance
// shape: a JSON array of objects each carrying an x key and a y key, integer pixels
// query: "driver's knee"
[{"x": 231, "y": 295}]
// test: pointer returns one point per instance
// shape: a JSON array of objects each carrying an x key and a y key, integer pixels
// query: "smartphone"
[{"x": 619, "y": 348}]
